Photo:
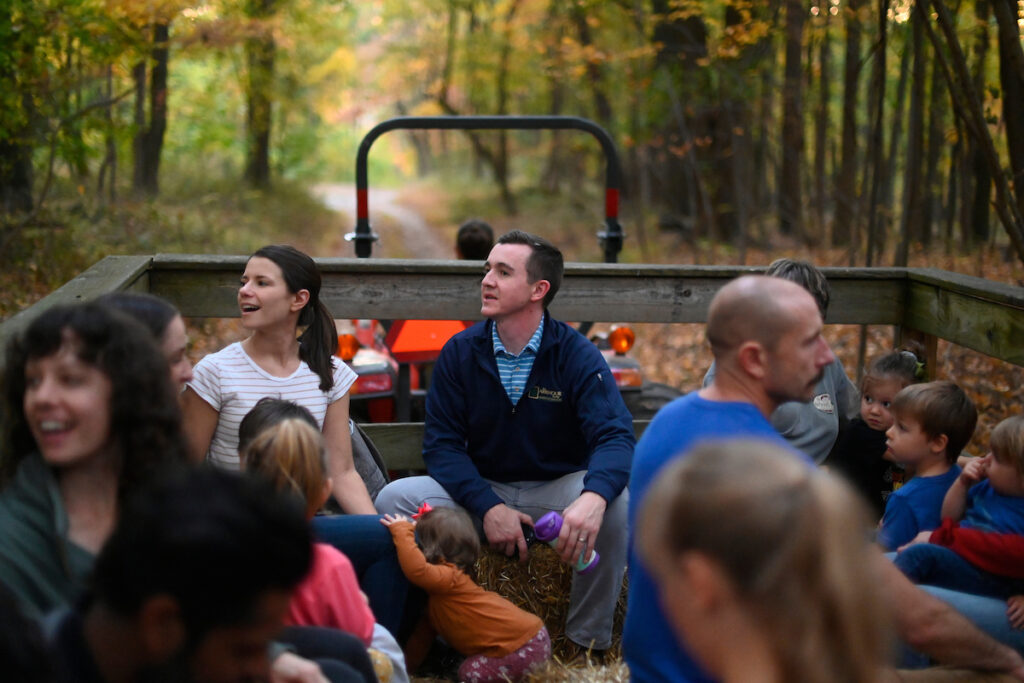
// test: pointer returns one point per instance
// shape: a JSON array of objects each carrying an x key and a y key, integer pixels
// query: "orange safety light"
[
  {"x": 621, "y": 340},
  {"x": 347, "y": 346}
]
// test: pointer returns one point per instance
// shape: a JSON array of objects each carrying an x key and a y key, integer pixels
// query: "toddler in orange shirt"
[{"x": 501, "y": 642}]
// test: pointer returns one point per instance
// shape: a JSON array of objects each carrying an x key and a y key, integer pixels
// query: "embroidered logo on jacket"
[
  {"x": 823, "y": 402},
  {"x": 542, "y": 394}
]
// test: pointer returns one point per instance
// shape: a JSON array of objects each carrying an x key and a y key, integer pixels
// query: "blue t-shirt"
[
  {"x": 648, "y": 644},
  {"x": 914, "y": 507},
  {"x": 991, "y": 511}
]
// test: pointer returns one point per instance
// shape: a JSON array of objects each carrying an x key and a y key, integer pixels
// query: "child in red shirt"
[{"x": 291, "y": 454}]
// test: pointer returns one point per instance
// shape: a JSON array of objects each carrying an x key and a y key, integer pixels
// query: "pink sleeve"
[{"x": 330, "y": 596}]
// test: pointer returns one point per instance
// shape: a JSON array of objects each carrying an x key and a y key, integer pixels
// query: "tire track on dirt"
[{"x": 419, "y": 239}]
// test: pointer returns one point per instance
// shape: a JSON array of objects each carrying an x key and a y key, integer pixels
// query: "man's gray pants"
[{"x": 594, "y": 594}]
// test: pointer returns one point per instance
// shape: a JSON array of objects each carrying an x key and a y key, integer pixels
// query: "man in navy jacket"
[{"x": 524, "y": 417}]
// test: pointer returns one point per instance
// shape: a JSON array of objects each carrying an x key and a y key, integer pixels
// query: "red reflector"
[
  {"x": 627, "y": 377},
  {"x": 372, "y": 384}
]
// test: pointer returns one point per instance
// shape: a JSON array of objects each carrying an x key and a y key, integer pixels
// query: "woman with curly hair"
[{"x": 90, "y": 413}]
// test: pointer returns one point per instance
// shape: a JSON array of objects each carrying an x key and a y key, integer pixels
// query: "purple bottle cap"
[{"x": 547, "y": 527}]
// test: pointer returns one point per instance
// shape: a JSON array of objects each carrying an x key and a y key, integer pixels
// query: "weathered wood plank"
[
  {"x": 203, "y": 286},
  {"x": 110, "y": 274},
  {"x": 401, "y": 444},
  {"x": 977, "y": 313},
  {"x": 981, "y": 315}
]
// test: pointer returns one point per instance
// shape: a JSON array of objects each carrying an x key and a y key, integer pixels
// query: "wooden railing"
[{"x": 927, "y": 303}]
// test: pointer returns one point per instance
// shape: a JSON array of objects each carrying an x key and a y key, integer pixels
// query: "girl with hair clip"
[
  {"x": 90, "y": 414},
  {"x": 859, "y": 454},
  {"x": 292, "y": 456},
  {"x": 761, "y": 564},
  {"x": 279, "y": 294},
  {"x": 500, "y": 641}
]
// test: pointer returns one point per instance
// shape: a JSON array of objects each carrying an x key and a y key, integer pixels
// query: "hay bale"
[{"x": 555, "y": 671}]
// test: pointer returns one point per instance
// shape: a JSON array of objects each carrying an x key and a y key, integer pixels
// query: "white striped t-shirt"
[{"x": 231, "y": 382}]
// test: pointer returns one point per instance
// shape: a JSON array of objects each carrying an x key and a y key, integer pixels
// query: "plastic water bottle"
[{"x": 546, "y": 529}]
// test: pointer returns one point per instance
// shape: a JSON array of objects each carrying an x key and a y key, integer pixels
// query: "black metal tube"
[{"x": 611, "y": 237}]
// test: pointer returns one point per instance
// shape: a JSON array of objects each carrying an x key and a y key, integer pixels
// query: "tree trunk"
[
  {"x": 106, "y": 178},
  {"x": 846, "y": 181},
  {"x": 681, "y": 44},
  {"x": 595, "y": 73},
  {"x": 149, "y": 135},
  {"x": 140, "y": 125},
  {"x": 16, "y": 171},
  {"x": 950, "y": 208},
  {"x": 1011, "y": 78},
  {"x": 501, "y": 172},
  {"x": 977, "y": 179},
  {"x": 821, "y": 127},
  {"x": 931, "y": 197},
  {"x": 968, "y": 104},
  {"x": 791, "y": 180},
  {"x": 889, "y": 168},
  {"x": 763, "y": 161},
  {"x": 912, "y": 190},
  {"x": 554, "y": 167},
  {"x": 876, "y": 142},
  {"x": 725, "y": 154},
  {"x": 15, "y": 145},
  {"x": 260, "y": 51}
]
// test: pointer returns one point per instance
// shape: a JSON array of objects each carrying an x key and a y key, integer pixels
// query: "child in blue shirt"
[
  {"x": 932, "y": 424},
  {"x": 988, "y": 496}
]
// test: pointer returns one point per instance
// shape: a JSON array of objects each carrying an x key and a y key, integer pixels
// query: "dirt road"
[{"x": 418, "y": 238}]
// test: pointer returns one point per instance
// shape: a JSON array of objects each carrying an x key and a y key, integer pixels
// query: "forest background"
[{"x": 847, "y": 132}]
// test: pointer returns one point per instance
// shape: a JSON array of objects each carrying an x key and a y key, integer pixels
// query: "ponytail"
[
  {"x": 319, "y": 341},
  {"x": 906, "y": 365}
]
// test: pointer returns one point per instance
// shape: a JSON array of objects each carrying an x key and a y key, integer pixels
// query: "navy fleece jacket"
[{"x": 571, "y": 417}]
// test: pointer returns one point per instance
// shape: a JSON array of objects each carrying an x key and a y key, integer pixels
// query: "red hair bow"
[{"x": 423, "y": 509}]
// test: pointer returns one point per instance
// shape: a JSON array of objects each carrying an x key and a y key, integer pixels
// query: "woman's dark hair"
[
  {"x": 907, "y": 365},
  {"x": 145, "y": 419},
  {"x": 319, "y": 340},
  {"x": 267, "y": 412},
  {"x": 448, "y": 535},
  {"x": 149, "y": 309}
]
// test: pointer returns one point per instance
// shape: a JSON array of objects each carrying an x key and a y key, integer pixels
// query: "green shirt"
[{"x": 38, "y": 563}]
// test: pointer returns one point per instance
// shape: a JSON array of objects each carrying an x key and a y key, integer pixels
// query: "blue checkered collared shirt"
[{"x": 515, "y": 370}]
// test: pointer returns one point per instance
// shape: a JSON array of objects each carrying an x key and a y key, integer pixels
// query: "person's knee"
[
  {"x": 397, "y": 497},
  {"x": 616, "y": 515},
  {"x": 404, "y": 496}
]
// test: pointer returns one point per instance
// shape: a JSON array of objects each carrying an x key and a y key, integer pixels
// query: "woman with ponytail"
[{"x": 279, "y": 294}]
